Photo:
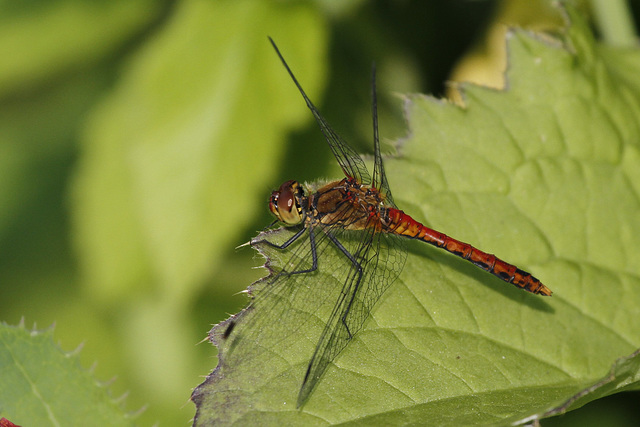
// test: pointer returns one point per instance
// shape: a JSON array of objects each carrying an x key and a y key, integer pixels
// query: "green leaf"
[
  {"x": 545, "y": 175},
  {"x": 42, "y": 385}
]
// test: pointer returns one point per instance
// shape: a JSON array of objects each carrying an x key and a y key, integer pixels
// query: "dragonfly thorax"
[{"x": 286, "y": 203}]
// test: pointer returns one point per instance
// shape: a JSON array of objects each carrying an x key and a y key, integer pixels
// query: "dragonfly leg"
[
  {"x": 314, "y": 266},
  {"x": 312, "y": 242},
  {"x": 283, "y": 245},
  {"x": 356, "y": 283}
]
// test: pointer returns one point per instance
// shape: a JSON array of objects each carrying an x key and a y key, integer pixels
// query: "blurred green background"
[{"x": 140, "y": 140}]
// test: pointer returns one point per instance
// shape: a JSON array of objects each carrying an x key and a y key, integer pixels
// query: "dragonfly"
[{"x": 356, "y": 222}]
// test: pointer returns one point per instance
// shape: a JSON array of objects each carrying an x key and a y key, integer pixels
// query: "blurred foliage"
[{"x": 139, "y": 142}]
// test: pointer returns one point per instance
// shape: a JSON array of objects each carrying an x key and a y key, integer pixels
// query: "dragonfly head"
[{"x": 286, "y": 203}]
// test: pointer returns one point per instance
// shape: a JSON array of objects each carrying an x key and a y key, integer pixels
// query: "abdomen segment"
[{"x": 402, "y": 224}]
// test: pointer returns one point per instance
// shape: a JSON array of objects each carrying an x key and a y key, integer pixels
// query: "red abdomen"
[{"x": 402, "y": 224}]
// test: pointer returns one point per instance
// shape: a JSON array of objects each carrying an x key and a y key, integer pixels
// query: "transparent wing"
[
  {"x": 381, "y": 258},
  {"x": 284, "y": 301},
  {"x": 350, "y": 161},
  {"x": 354, "y": 269},
  {"x": 334, "y": 297},
  {"x": 379, "y": 176}
]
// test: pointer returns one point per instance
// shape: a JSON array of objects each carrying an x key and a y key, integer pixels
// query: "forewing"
[
  {"x": 283, "y": 305},
  {"x": 379, "y": 176},
  {"x": 282, "y": 302},
  {"x": 381, "y": 257},
  {"x": 350, "y": 161}
]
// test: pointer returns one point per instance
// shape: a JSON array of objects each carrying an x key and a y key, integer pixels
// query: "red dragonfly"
[{"x": 356, "y": 223}]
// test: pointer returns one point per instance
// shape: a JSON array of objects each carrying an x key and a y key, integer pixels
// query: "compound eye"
[{"x": 284, "y": 204}]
